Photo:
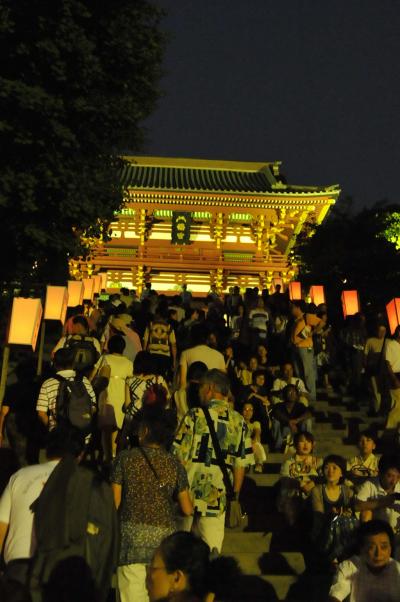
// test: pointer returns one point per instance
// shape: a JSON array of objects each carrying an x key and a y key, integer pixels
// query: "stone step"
[
  {"x": 246, "y": 542},
  {"x": 265, "y": 479},
  {"x": 283, "y": 563}
]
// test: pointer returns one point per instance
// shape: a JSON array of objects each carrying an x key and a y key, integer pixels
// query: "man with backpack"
[
  {"x": 86, "y": 349},
  {"x": 56, "y": 511},
  {"x": 67, "y": 397}
]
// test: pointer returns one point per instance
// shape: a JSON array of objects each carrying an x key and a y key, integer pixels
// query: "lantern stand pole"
[
  {"x": 4, "y": 372},
  {"x": 41, "y": 348}
]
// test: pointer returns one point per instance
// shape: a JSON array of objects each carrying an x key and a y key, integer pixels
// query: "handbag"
[
  {"x": 235, "y": 518},
  {"x": 340, "y": 536}
]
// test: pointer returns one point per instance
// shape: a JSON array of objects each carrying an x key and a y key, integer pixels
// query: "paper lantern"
[
  {"x": 56, "y": 303},
  {"x": 88, "y": 289},
  {"x": 75, "y": 293},
  {"x": 26, "y": 315},
  {"x": 295, "y": 291},
  {"x": 317, "y": 294},
  {"x": 97, "y": 284},
  {"x": 103, "y": 276},
  {"x": 350, "y": 303},
  {"x": 275, "y": 283},
  {"x": 393, "y": 314}
]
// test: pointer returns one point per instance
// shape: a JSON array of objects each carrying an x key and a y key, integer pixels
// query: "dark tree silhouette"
[
  {"x": 352, "y": 251},
  {"x": 76, "y": 81}
]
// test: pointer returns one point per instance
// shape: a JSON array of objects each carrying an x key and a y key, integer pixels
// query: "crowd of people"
[{"x": 152, "y": 413}]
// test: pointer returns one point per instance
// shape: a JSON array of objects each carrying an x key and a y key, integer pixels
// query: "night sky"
[{"x": 312, "y": 83}]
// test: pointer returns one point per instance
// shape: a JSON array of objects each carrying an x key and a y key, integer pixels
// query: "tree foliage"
[
  {"x": 350, "y": 251},
  {"x": 79, "y": 78}
]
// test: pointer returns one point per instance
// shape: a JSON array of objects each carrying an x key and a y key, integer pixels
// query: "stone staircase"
[{"x": 269, "y": 549}]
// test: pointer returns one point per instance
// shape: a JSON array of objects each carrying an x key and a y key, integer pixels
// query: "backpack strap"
[{"x": 219, "y": 455}]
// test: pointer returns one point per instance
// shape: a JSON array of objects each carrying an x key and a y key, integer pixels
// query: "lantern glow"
[
  {"x": 393, "y": 314},
  {"x": 97, "y": 284},
  {"x": 295, "y": 291},
  {"x": 56, "y": 303},
  {"x": 350, "y": 303},
  {"x": 75, "y": 293},
  {"x": 26, "y": 315},
  {"x": 88, "y": 288},
  {"x": 103, "y": 276},
  {"x": 317, "y": 294}
]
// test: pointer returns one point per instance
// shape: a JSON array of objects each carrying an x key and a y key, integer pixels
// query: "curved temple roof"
[{"x": 211, "y": 176}]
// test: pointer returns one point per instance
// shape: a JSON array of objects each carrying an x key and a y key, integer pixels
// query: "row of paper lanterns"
[
  {"x": 350, "y": 302},
  {"x": 27, "y": 313}
]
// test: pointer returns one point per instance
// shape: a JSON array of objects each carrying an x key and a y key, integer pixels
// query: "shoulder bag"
[{"x": 235, "y": 518}]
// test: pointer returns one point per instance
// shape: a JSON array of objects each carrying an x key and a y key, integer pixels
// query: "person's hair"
[
  {"x": 63, "y": 358},
  {"x": 82, "y": 321},
  {"x": 256, "y": 374},
  {"x": 286, "y": 390},
  {"x": 160, "y": 424},
  {"x": 188, "y": 553},
  {"x": 185, "y": 552},
  {"x": 196, "y": 371},
  {"x": 388, "y": 461},
  {"x": 116, "y": 344},
  {"x": 218, "y": 379},
  {"x": 64, "y": 440},
  {"x": 198, "y": 334},
  {"x": 339, "y": 461},
  {"x": 396, "y": 333},
  {"x": 370, "y": 434},
  {"x": 375, "y": 527},
  {"x": 144, "y": 363},
  {"x": 307, "y": 436},
  {"x": 124, "y": 291},
  {"x": 300, "y": 304}
]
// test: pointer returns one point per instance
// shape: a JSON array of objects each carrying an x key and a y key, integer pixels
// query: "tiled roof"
[{"x": 186, "y": 178}]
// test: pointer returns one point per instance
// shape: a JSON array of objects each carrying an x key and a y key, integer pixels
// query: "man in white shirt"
[
  {"x": 392, "y": 358},
  {"x": 47, "y": 400},
  {"x": 16, "y": 518},
  {"x": 373, "y": 576},
  {"x": 199, "y": 352},
  {"x": 287, "y": 378},
  {"x": 379, "y": 497}
]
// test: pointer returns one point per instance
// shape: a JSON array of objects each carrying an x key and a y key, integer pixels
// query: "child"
[
  {"x": 364, "y": 465},
  {"x": 298, "y": 475},
  {"x": 255, "y": 433}
]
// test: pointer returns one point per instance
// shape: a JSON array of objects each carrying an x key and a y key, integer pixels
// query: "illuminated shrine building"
[{"x": 205, "y": 222}]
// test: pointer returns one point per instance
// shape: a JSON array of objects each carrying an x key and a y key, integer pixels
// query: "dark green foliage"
[
  {"x": 349, "y": 251},
  {"x": 77, "y": 79}
]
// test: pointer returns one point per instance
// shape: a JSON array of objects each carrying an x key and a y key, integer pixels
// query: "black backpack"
[
  {"x": 74, "y": 516},
  {"x": 74, "y": 406},
  {"x": 84, "y": 352}
]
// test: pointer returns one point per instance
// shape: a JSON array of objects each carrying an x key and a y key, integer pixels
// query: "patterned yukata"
[{"x": 193, "y": 446}]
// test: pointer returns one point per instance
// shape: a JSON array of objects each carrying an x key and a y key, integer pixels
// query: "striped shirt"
[{"x": 48, "y": 395}]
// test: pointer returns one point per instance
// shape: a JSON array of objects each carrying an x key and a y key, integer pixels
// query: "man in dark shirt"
[{"x": 289, "y": 417}]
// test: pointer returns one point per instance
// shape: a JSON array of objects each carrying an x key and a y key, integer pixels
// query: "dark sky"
[{"x": 313, "y": 83}]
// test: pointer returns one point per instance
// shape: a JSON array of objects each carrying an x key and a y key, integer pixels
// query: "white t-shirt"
[
  {"x": 203, "y": 353},
  {"x": 23, "y": 488},
  {"x": 355, "y": 579},
  {"x": 372, "y": 490},
  {"x": 392, "y": 354},
  {"x": 280, "y": 384}
]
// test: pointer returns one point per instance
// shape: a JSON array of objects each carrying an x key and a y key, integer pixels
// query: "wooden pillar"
[
  {"x": 219, "y": 280},
  {"x": 139, "y": 280}
]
